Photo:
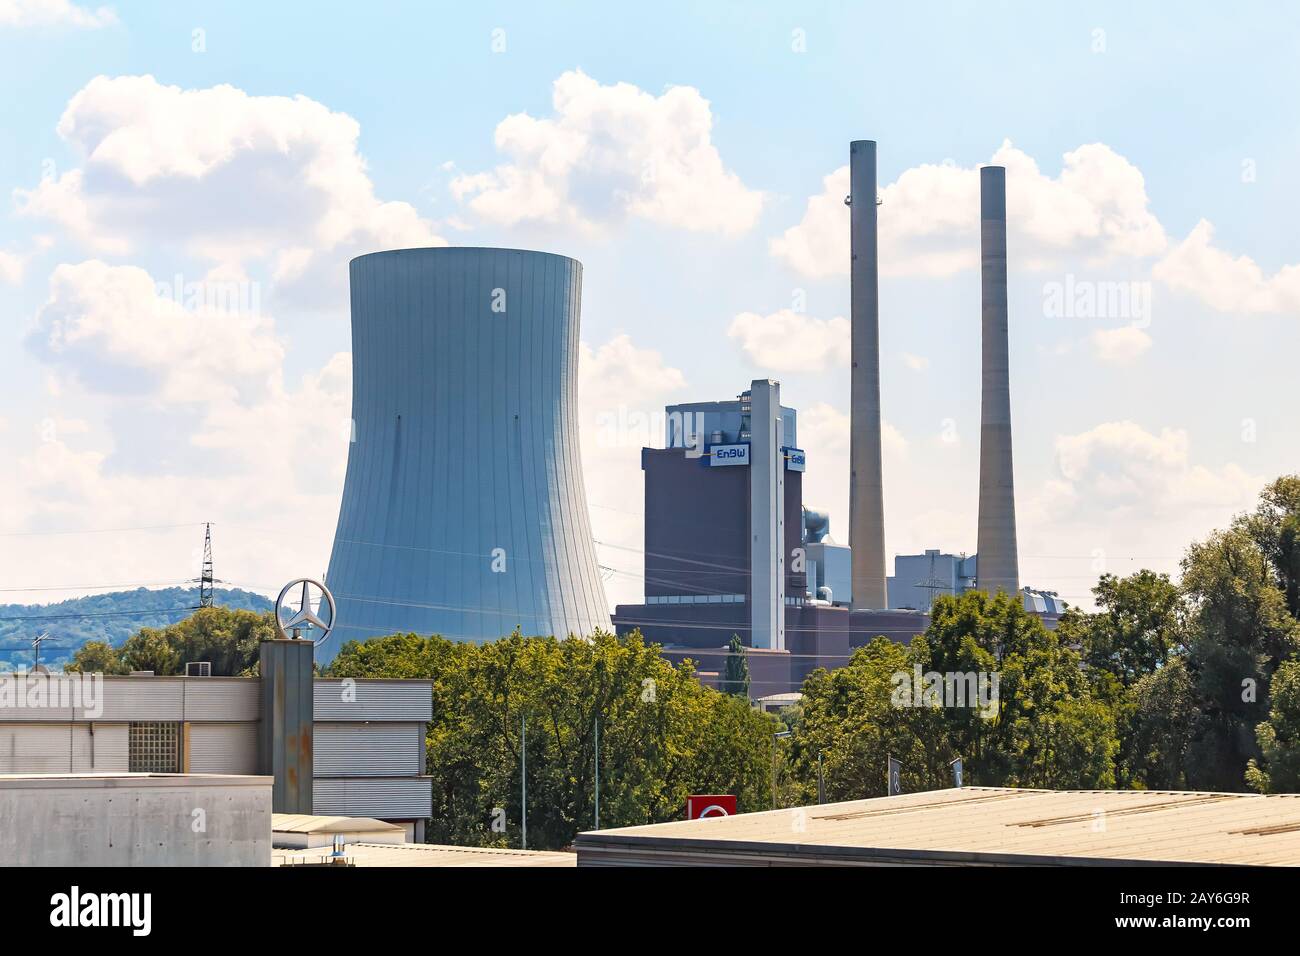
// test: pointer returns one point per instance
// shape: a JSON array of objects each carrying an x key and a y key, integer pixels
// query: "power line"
[
  {"x": 97, "y": 614},
  {"x": 157, "y": 527}
]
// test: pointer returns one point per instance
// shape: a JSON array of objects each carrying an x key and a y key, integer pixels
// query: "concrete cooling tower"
[{"x": 463, "y": 511}]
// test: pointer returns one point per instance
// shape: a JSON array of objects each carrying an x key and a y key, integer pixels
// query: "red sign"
[{"x": 700, "y": 806}]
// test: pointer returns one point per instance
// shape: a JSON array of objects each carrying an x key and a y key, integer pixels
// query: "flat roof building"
[
  {"x": 976, "y": 826},
  {"x": 367, "y": 750}
]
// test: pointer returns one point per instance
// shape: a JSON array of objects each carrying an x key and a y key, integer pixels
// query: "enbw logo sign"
[{"x": 729, "y": 455}]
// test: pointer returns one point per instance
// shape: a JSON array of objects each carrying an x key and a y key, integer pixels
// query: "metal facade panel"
[
  {"x": 223, "y": 748},
  {"x": 464, "y": 512},
  {"x": 111, "y": 746},
  {"x": 209, "y": 698},
  {"x": 373, "y": 700},
  {"x": 45, "y": 748},
  {"x": 374, "y": 750},
  {"x": 142, "y": 698},
  {"x": 394, "y": 798}
]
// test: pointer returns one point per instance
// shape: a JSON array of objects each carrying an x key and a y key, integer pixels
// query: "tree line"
[{"x": 1193, "y": 684}]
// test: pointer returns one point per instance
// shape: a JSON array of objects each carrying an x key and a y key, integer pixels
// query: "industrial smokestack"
[
  {"x": 997, "y": 567},
  {"x": 866, "y": 480}
]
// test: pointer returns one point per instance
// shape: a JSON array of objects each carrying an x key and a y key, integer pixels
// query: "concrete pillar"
[
  {"x": 997, "y": 565},
  {"x": 285, "y": 731},
  {"x": 767, "y": 557},
  {"x": 866, "y": 470}
]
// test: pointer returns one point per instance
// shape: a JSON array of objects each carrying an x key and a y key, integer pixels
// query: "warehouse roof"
[
  {"x": 980, "y": 825},
  {"x": 308, "y": 823},
  {"x": 425, "y": 854}
]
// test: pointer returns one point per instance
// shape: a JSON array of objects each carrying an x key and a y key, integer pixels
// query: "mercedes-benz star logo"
[{"x": 303, "y": 617}]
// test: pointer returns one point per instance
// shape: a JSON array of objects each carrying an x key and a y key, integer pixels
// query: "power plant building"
[
  {"x": 727, "y": 541},
  {"x": 464, "y": 512}
]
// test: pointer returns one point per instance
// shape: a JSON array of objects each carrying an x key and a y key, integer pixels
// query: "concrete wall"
[{"x": 135, "y": 820}]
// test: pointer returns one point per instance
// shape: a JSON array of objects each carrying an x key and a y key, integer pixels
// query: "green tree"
[
  {"x": 1043, "y": 729},
  {"x": 1240, "y": 632},
  {"x": 1277, "y": 769},
  {"x": 735, "y": 675},
  {"x": 1160, "y": 711},
  {"x": 663, "y": 735},
  {"x": 96, "y": 657},
  {"x": 149, "y": 650},
  {"x": 1138, "y": 629},
  {"x": 1138, "y": 625},
  {"x": 228, "y": 639}
]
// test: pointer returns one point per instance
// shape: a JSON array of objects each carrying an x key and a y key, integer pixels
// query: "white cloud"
[
  {"x": 11, "y": 268},
  {"x": 917, "y": 363},
  {"x": 43, "y": 13},
  {"x": 228, "y": 176},
  {"x": 827, "y": 429},
  {"x": 1227, "y": 283},
  {"x": 929, "y": 218},
  {"x": 13, "y": 265},
  {"x": 110, "y": 327},
  {"x": 1120, "y": 466},
  {"x": 609, "y": 153},
  {"x": 1121, "y": 346},
  {"x": 824, "y": 435},
  {"x": 789, "y": 341},
  {"x": 224, "y": 438},
  {"x": 1123, "y": 498}
]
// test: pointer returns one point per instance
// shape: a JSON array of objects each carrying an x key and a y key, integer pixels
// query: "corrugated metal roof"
[
  {"x": 977, "y": 825},
  {"x": 427, "y": 854}
]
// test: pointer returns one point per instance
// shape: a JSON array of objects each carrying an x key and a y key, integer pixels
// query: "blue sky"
[{"x": 1127, "y": 128}]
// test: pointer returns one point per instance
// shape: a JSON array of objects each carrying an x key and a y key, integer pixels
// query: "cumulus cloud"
[
  {"x": 227, "y": 176},
  {"x": 1224, "y": 282},
  {"x": 11, "y": 268},
  {"x": 789, "y": 341},
  {"x": 1121, "y": 346},
  {"x": 609, "y": 153},
  {"x": 929, "y": 218},
  {"x": 824, "y": 427},
  {"x": 1120, "y": 466},
  {"x": 111, "y": 327},
  {"x": 46, "y": 13},
  {"x": 200, "y": 425}
]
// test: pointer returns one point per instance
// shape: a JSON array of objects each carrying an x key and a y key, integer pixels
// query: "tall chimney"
[
  {"x": 866, "y": 482},
  {"x": 996, "y": 568}
]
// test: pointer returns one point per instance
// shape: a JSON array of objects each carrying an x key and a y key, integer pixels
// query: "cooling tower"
[
  {"x": 996, "y": 566},
  {"x": 866, "y": 481},
  {"x": 463, "y": 510}
]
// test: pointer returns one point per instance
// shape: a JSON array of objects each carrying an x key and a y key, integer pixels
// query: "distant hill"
[{"x": 111, "y": 617}]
